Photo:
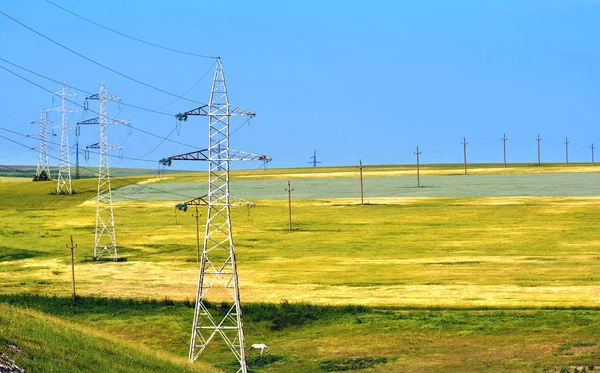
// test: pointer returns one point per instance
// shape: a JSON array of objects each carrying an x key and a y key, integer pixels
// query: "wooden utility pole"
[
  {"x": 418, "y": 172},
  {"x": 465, "y": 152},
  {"x": 197, "y": 235},
  {"x": 289, "y": 190},
  {"x": 72, "y": 266},
  {"x": 592, "y": 147},
  {"x": 539, "y": 158},
  {"x": 362, "y": 199},
  {"x": 567, "y": 149},
  {"x": 504, "y": 140}
]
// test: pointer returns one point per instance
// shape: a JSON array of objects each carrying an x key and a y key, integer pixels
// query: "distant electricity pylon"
[
  {"x": 43, "y": 165},
  {"x": 218, "y": 268},
  {"x": 418, "y": 171},
  {"x": 105, "y": 220},
  {"x": 539, "y": 152},
  {"x": 64, "y": 167},
  {"x": 314, "y": 159},
  {"x": 567, "y": 149},
  {"x": 504, "y": 141},
  {"x": 464, "y": 142}
]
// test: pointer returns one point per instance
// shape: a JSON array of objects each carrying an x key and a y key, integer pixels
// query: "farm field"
[
  {"x": 491, "y": 185},
  {"x": 473, "y": 280}
]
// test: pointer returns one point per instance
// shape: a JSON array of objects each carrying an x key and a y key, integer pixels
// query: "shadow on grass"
[{"x": 276, "y": 316}]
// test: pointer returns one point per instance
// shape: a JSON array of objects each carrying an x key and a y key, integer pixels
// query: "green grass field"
[{"x": 500, "y": 281}]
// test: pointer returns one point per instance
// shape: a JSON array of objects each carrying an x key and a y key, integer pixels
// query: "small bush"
[
  {"x": 339, "y": 365},
  {"x": 262, "y": 360},
  {"x": 43, "y": 176}
]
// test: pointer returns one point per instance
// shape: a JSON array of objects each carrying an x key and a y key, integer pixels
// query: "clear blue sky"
[{"x": 353, "y": 80}]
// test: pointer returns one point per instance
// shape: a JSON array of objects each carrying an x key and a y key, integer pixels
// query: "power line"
[
  {"x": 95, "y": 112},
  {"x": 89, "y": 151},
  {"x": 96, "y": 62},
  {"x": 83, "y": 90},
  {"x": 145, "y": 186},
  {"x": 129, "y": 36},
  {"x": 189, "y": 89}
]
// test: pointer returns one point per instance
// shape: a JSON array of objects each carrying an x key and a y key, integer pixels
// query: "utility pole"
[
  {"x": 362, "y": 199},
  {"x": 567, "y": 149},
  {"x": 538, "y": 143},
  {"x": 289, "y": 190},
  {"x": 72, "y": 267},
  {"x": 418, "y": 171},
  {"x": 105, "y": 219},
  {"x": 218, "y": 268},
  {"x": 64, "y": 168},
  {"x": 197, "y": 235},
  {"x": 77, "y": 133},
  {"x": 465, "y": 153},
  {"x": 592, "y": 147},
  {"x": 504, "y": 140},
  {"x": 43, "y": 165},
  {"x": 314, "y": 159}
]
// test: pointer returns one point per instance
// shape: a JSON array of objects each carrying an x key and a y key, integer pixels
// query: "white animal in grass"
[{"x": 259, "y": 346}]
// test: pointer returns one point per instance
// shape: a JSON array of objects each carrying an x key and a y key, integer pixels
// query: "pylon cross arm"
[
  {"x": 210, "y": 110},
  {"x": 238, "y": 155},
  {"x": 200, "y": 201},
  {"x": 107, "y": 96},
  {"x": 110, "y": 120},
  {"x": 198, "y": 155}
]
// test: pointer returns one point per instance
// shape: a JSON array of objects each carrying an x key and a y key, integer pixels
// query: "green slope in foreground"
[{"x": 39, "y": 343}]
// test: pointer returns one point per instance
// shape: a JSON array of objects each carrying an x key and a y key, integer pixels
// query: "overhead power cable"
[
  {"x": 129, "y": 36},
  {"x": 96, "y": 62},
  {"x": 95, "y": 112},
  {"x": 89, "y": 151},
  {"x": 145, "y": 186},
  {"x": 82, "y": 90},
  {"x": 192, "y": 87}
]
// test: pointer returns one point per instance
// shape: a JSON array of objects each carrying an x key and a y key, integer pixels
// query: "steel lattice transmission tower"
[
  {"x": 64, "y": 169},
  {"x": 218, "y": 269},
  {"x": 105, "y": 240},
  {"x": 43, "y": 165}
]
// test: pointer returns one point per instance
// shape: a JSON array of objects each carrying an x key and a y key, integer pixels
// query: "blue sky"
[{"x": 352, "y": 80}]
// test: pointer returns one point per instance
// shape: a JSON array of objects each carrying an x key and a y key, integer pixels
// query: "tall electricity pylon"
[
  {"x": 64, "y": 167},
  {"x": 218, "y": 269},
  {"x": 43, "y": 165},
  {"x": 314, "y": 159},
  {"x": 105, "y": 240}
]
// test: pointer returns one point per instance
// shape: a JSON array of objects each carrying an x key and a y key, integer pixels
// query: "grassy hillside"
[
  {"x": 39, "y": 343},
  {"x": 307, "y": 339}
]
